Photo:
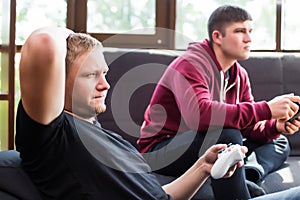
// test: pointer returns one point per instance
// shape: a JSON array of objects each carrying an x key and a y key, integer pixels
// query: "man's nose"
[{"x": 103, "y": 84}]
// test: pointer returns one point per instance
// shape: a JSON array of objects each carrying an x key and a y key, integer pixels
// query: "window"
[
  {"x": 34, "y": 14},
  {"x": 191, "y": 21},
  {"x": 121, "y": 16},
  {"x": 125, "y": 23},
  {"x": 1, "y": 19},
  {"x": 6, "y": 74},
  {"x": 290, "y": 25},
  {"x": 178, "y": 22}
]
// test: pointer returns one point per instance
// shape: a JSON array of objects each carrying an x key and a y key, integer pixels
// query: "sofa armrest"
[{"x": 14, "y": 182}]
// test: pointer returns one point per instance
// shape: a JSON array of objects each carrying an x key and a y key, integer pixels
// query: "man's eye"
[
  {"x": 240, "y": 31},
  {"x": 91, "y": 75}
]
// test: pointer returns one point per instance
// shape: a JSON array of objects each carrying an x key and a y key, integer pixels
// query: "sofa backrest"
[
  {"x": 133, "y": 75},
  {"x": 273, "y": 74}
]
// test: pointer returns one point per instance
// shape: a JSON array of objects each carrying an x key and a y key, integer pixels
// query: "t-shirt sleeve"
[{"x": 31, "y": 135}]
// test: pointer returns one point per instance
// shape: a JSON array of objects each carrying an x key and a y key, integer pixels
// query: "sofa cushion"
[
  {"x": 14, "y": 182},
  {"x": 7, "y": 196},
  {"x": 284, "y": 178}
]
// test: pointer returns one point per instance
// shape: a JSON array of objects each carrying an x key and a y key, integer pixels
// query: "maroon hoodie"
[{"x": 195, "y": 94}]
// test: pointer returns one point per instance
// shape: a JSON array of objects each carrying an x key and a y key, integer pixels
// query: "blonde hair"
[{"x": 77, "y": 45}]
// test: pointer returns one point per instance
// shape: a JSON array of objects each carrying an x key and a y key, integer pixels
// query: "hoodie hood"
[{"x": 227, "y": 80}]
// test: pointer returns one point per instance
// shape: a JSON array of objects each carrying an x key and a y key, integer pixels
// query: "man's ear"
[{"x": 217, "y": 37}]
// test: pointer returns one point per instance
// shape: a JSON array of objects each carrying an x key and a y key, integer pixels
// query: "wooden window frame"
[
  {"x": 164, "y": 30},
  {"x": 10, "y": 95}
]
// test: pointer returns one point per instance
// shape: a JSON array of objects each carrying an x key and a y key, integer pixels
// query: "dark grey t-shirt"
[{"x": 74, "y": 159}]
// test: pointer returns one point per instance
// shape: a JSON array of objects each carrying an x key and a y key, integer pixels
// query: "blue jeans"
[
  {"x": 290, "y": 194},
  {"x": 185, "y": 149},
  {"x": 230, "y": 188},
  {"x": 264, "y": 159}
]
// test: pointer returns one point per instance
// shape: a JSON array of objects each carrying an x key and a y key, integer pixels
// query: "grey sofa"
[{"x": 133, "y": 75}]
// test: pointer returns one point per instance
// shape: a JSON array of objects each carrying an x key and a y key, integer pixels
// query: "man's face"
[
  {"x": 86, "y": 85},
  {"x": 235, "y": 44}
]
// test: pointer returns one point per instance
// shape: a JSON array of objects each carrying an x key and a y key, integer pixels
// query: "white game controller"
[{"x": 226, "y": 159}]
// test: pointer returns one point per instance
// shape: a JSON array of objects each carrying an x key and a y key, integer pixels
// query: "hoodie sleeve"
[
  {"x": 197, "y": 95},
  {"x": 262, "y": 132}
]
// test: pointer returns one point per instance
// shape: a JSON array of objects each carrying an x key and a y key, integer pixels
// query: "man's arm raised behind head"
[{"x": 42, "y": 73}]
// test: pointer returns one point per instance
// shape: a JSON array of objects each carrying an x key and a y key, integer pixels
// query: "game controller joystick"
[
  {"x": 226, "y": 159},
  {"x": 297, "y": 114}
]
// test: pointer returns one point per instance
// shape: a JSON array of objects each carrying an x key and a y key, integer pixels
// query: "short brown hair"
[
  {"x": 78, "y": 44},
  {"x": 225, "y": 15}
]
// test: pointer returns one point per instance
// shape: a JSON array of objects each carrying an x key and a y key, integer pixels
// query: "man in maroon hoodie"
[{"x": 204, "y": 97}]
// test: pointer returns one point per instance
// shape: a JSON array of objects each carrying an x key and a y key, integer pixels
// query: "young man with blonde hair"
[{"x": 64, "y": 150}]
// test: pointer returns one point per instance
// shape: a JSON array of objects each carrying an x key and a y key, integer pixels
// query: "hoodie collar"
[{"x": 206, "y": 44}]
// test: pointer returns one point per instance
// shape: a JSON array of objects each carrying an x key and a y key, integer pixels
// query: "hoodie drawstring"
[
  {"x": 224, "y": 88},
  {"x": 237, "y": 100}
]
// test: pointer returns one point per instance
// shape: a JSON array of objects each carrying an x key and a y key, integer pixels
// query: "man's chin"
[
  {"x": 245, "y": 56},
  {"x": 100, "y": 109}
]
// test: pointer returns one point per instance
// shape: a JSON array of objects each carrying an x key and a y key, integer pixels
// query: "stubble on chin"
[{"x": 100, "y": 109}]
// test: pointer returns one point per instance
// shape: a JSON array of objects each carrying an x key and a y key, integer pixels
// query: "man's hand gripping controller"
[
  {"x": 297, "y": 114},
  {"x": 226, "y": 159}
]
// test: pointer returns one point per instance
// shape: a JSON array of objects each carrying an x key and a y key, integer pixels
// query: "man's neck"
[
  {"x": 225, "y": 62},
  {"x": 91, "y": 120}
]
